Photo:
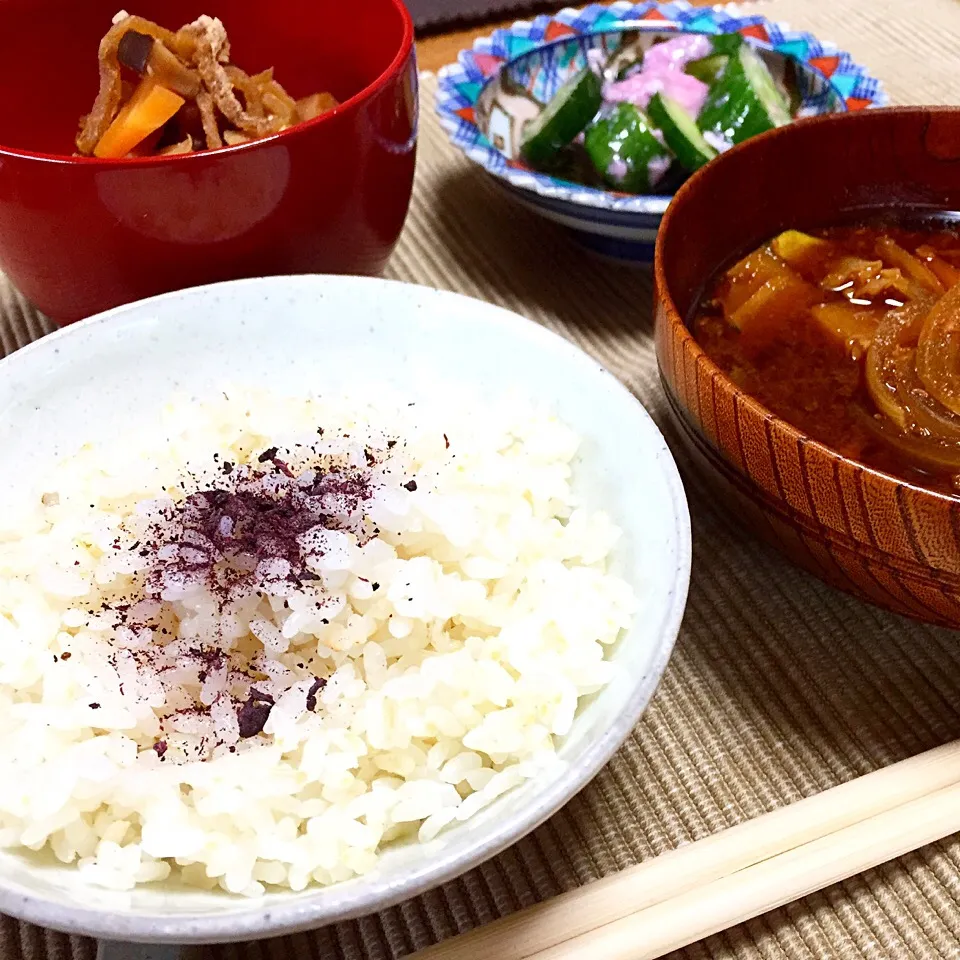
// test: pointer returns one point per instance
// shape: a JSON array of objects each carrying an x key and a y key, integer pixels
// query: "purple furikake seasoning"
[
  {"x": 239, "y": 538},
  {"x": 252, "y": 715},
  {"x": 318, "y": 684},
  {"x": 229, "y": 538}
]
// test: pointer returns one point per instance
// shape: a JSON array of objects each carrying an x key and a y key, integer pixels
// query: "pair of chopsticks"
[{"x": 704, "y": 887}]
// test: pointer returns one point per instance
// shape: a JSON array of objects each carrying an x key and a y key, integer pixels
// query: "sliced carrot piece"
[{"x": 150, "y": 107}]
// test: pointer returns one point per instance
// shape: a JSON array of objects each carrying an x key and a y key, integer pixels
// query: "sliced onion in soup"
[
  {"x": 926, "y": 453},
  {"x": 897, "y": 331},
  {"x": 925, "y": 415},
  {"x": 938, "y": 351}
]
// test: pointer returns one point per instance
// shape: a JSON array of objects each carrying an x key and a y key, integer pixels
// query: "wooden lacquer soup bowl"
[{"x": 887, "y": 541}]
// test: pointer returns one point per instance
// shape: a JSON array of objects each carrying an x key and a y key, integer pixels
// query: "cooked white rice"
[{"x": 454, "y": 642}]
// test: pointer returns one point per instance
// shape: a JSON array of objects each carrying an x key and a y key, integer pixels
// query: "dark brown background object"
[{"x": 435, "y": 15}]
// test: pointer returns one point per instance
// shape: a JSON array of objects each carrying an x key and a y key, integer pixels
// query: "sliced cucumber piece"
[
  {"x": 726, "y": 112},
  {"x": 572, "y": 107},
  {"x": 762, "y": 83},
  {"x": 744, "y": 101},
  {"x": 680, "y": 131},
  {"x": 625, "y": 149},
  {"x": 707, "y": 69},
  {"x": 726, "y": 43}
]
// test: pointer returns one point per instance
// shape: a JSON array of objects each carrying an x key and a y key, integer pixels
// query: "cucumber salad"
[{"x": 641, "y": 121}]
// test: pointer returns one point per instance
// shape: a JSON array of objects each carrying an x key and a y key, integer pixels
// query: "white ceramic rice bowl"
[{"x": 108, "y": 373}]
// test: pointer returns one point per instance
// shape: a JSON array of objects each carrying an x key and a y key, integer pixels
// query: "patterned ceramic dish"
[{"x": 484, "y": 99}]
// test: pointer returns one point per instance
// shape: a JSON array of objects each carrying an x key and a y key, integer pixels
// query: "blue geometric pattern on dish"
[{"x": 485, "y": 98}]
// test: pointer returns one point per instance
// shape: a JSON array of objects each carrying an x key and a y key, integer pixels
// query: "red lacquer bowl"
[
  {"x": 887, "y": 541},
  {"x": 78, "y": 236}
]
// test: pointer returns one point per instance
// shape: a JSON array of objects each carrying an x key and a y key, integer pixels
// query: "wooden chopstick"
[
  {"x": 709, "y": 908},
  {"x": 690, "y": 869}
]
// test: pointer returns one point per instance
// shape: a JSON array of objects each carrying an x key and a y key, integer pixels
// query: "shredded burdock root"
[{"x": 172, "y": 93}]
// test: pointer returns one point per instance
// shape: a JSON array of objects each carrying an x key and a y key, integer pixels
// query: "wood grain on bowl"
[{"x": 889, "y": 542}]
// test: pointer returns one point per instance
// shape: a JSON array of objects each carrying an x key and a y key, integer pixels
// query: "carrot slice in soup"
[{"x": 150, "y": 107}]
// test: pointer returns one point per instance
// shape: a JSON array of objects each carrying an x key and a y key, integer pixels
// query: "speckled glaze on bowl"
[
  {"x": 484, "y": 99},
  {"x": 81, "y": 235},
  {"x": 888, "y": 542},
  {"x": 112, "y": 373}
]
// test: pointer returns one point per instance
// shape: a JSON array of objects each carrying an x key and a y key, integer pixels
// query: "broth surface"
[{"x": 848, "y": 334}]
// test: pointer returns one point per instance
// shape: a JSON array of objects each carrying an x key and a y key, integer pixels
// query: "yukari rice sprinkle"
[{"x": 255, "y": 646}]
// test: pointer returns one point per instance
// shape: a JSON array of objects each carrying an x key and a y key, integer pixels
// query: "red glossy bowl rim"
[
  {"x": 366, "y": 93},
  {"x": 692, "y": 348}
]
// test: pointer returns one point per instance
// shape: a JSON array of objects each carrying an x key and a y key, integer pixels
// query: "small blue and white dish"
[{"x": 487, "y": 97}]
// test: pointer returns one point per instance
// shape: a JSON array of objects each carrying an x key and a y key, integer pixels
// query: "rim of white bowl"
[{"x": 355, "y": 898}]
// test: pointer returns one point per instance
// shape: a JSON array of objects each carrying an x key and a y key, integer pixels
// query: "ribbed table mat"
[{"x": 779, "y": 687}]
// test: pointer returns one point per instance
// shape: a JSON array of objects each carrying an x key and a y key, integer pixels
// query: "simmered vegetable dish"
[
  {"x": 852, "y": 334},
  {"x": 642, "y": 115},
  {"x": 166, "y": 92}
]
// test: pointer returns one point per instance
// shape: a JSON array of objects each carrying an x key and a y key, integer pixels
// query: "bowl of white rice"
[{"x": 315, "y": 592}]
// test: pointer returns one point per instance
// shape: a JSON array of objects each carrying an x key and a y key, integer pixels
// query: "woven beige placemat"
[{"x": 779, "y": 687}]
